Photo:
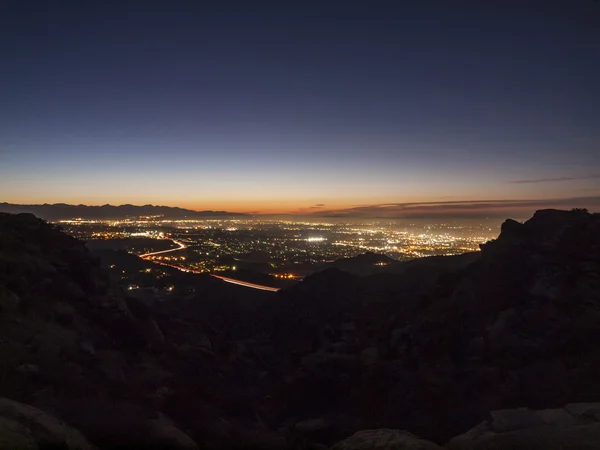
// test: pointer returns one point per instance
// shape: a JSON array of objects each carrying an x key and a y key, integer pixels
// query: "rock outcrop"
[
  {"x": 430, "y": 349},
  {"x": 574, "y": 427},
  {"x": 23, "y": 427},
  {"x": 71, "y": 342},
  {"x": 384, "y": 440},
  {"x": 516, "y": 326}
]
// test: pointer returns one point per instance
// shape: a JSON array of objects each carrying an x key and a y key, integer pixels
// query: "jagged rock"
[
  {"x": 384, "y": 440},
  {"x": 15, "y": 436},
  {"x": 325, "y": 360},
  {"x": 311, "y": 425},
  {"x": 514, "y": 419},
  {"x": 122, "y": 425},
  {"x": 369, "y": 355},
  {"x": 512, "y": 228},
  {"x": 204, "y": 343},
  {"x": 225, "y": 435},
  {"x": 348, "y": 327},
  {"x": 583, "y": 409},
  {"x": 28, "y": 369},
  {"x": 312, "y": 431},
  {"x": 23, "y": 427},
  {"x": 396, "y": 338},
  {"x": 87, "y": 347},
  {"x": 569, "y": 428},
  {"x": 546, "y": 437},
  {"x": 476, "y": 347},
  {"x": 163, "y": 433},
  {"x": 558, "y": 416},
  {"x": 64, "y": 313},
  {"x": 9, "y": 301},
  {"x": 515, "y": 324}
]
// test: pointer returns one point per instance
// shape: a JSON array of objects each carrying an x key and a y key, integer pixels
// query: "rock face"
[
  {"x": 384, "y": 440},
  {"x": 574, "y": 427},
  {"x": 516, "y": 326},
  {"x": 23, "y": 427},
  {"x": 430, "y": 349},
  {"x": 69, "y": 339}
]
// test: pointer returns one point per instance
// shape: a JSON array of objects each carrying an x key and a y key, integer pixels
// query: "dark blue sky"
[{"x": 283, "y": 105}]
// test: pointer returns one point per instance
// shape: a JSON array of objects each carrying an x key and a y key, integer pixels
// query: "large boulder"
[
  {"x": 112, "y": 424},
  {"x": 23, "y": 427},
  {"x": 15, "y": 436},
  {"x": 384, "y": 440},
  {"x": 574, "y": 427},
  {"x": 546, "y": 437}
]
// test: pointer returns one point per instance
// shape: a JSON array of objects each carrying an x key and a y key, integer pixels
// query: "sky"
[{"x": 302, "y": 107}]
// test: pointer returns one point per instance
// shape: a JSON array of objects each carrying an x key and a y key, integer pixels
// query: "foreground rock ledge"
[
  {"x": 384, "y": 440},
  {"x": 23, "y": 427},
  {"x": 574, "y": 427}
]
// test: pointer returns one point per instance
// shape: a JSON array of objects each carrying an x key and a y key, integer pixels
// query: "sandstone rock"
[
  {"x": 15, "y": 436},
  {"x": 396, "y": 337},
  {"x": 514, "y": 419},
  {"x": 384, "y": 440},
  {"x": 112, "y": 424},
  {"x": 480, "y": 432},
  {"x": 205, "y": 343},
  {"x": 64, "y": 313},
  {"x": 311, "y": 425},
  {"x": 313, "y": 430},
  {"x": 583, "y": 409},
  {"x": 369, "y": 355},
  {"x": 163, "y": 433},
  {"x": 9, "y": 301},
  {"x": 558, "y": 416},
  {"x": 225, "y": 435},
  {"x": 87, "y": 347},
  {"x": 25, "y": 427},
  {"x": 319, "y": 360},
  {"x": 546, "y": 437},
  {"x": 348, "y": 327},
  {"x": 572, "y": 427},
  {"x": 476, "y": 347},
  {"x": 28, "y": 369}
]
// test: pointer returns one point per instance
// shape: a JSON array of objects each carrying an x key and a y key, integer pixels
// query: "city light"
[{"x": 283, "y": 250}]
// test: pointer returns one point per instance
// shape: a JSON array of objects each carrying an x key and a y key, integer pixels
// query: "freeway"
[
  {"x": 181, "y": 247},
  {"x": 226, "y": 279},
  {"x": 246, "y": 283}
]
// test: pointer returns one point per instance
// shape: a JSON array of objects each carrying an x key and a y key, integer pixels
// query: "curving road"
[
  {"x": 181, "y": 247},
  {"x": 226, "y": 279},
  {"x": 246, "y": 283}
]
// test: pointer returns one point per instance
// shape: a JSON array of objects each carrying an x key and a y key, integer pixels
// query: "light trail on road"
[
  {"x": 246, "y": 283},
  {"x": 226, "y": 279},
  {"x": 181, "y": 247}
]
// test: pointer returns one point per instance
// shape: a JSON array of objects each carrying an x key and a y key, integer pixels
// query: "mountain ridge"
[{"x": 59, "y": 211}]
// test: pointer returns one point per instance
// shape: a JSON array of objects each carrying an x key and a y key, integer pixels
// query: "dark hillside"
[{"x": 430, "y": 349}]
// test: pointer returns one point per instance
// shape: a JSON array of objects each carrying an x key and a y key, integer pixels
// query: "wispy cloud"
[
  {"x": 314, "y": 209},
  {"x": 504, "y": 208},
  {"x": 555, "y": 180}
]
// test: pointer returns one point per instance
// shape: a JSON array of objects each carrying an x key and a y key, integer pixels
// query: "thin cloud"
[
  {"x": 463, "y": 207},
  {"x": 554, "y": 180},
  {"x": 312, "y": 210}
]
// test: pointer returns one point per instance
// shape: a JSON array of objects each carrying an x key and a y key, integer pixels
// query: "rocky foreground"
[{"x": 494, "y": 351}]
